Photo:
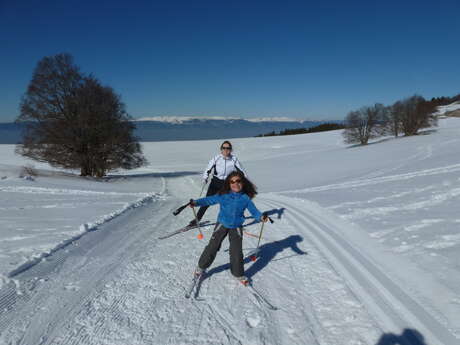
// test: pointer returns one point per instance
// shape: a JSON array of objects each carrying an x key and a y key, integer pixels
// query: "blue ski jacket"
[{"x": 232, "y": 206}]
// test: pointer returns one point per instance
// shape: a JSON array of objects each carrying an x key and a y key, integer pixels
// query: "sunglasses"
[
  {"x": 225, "y": 148},
  {"x": 235, "y": 181}
]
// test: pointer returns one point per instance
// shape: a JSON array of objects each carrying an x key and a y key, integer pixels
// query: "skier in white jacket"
[{"x": 219, "y": 167}]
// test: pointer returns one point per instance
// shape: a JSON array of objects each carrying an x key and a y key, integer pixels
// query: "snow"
[
  {"x": 443, "y": 109},
  {"x": 365, "y": 248},
  {"x": 182, "y": 119}
]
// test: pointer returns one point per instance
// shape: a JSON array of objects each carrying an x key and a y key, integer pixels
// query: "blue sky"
[{"x": 298, "y": 59}]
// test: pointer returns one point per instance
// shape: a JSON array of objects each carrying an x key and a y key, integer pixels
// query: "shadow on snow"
[
  {"x": 267, "y": 253},
  {"x": 276, "y": 211},
  {"x": 150, "y": 175},
  {"x": 407, "y": 337}
]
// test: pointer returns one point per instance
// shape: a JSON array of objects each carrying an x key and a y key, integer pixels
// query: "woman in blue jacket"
[{"x": 234, "y": 197}]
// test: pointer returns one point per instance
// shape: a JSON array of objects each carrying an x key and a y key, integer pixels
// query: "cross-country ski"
[
  {"x": 260, "y": 297},
  {"x": 193, "y": 285},
  {"x": 184, "y": 229}
]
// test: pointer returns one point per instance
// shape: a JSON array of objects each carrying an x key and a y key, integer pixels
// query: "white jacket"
[{"x": 221, "y": 167}]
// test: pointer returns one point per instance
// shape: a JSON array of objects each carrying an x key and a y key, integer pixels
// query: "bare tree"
[
  {"x": 364, "y": 124},
  {"x": 393, "y": 120},
  {"x": 72, "y": 121},
  {"x": 104, "y": 138},
  {"x": 415, "y": 113}
]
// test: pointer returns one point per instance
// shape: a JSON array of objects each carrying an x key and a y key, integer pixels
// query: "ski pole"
[
  {"x": 202, "y": 188},
  {"x": 254, "y": 254},
  {"x": 256, "y": 251},
  {"x": 180, "y": 209},
  {"x": 200, "y": 235}
]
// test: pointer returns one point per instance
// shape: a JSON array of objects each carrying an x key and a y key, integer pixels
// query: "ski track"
[
  {"x": 114, "y": 286},
  {"x": 377, "y": 180},
  {"x": 390, "y": 304},
  {"x": 121, "y": 285},
  {"x": 61, "y": 191}
]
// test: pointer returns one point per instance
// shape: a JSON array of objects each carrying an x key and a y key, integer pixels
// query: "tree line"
[
  {"x": 320, "y": 128},
  {"x": 405, "y": 117}
]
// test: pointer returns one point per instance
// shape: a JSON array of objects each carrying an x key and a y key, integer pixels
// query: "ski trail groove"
[
  {"x": 389, "y": 303},
  {"x": 377, "y": 180},
  {"x": 49, "y": 285}
]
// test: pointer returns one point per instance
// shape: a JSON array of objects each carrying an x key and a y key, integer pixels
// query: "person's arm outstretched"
[
  {"x": 256, "y": 213},
  {"x": 208, "y": 201}
]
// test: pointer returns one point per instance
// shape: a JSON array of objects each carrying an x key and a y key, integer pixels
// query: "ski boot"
[{"x": 198, "y": 272}]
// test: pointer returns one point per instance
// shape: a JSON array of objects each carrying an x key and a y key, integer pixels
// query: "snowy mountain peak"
[{"x": 182, "y": 119}]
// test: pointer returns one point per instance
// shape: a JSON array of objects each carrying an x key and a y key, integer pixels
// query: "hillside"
[{"x": 362, "y": 251}]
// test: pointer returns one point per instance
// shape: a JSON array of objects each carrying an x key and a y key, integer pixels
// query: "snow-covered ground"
[
  {"x": 365, "y": 248},
  {"x": 447, "y": 109}
]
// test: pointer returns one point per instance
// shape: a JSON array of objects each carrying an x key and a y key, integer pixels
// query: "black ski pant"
[
  {"x": 235, "y": 237},
  {"x": 215, "y": 185}
]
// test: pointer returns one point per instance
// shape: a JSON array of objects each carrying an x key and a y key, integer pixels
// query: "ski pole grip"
[
  {"x": 180, "y": 209},
  {"x": 265, "y": 214}
]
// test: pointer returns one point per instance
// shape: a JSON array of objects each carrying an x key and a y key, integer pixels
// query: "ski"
[
  {"x": 260, "y": 297},
  {"x": 184, "y": 229},
  {"x": 195, "y": 280}
]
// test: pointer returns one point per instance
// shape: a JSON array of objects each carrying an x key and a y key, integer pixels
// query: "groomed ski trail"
[
  {"x": 390, "y": 305},
  {"x": 121, "y": 285}
]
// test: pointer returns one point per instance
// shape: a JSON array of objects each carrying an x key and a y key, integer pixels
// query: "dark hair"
[
  {"x": 248, "y": 187},
  {"x": 226, "y": 142}
]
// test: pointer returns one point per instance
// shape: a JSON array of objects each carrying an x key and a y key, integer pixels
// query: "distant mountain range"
[{"x": 190, "y": 128}]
